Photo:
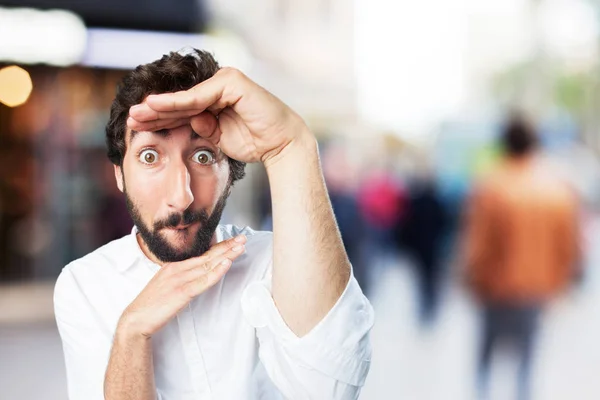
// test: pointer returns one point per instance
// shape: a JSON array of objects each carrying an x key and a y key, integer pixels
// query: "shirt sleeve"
[
  {"x": 86, "y": 342},
  {"x": 330, "y": 362}
]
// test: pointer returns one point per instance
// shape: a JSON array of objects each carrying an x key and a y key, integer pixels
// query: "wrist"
[
  {"x": 130, "y": 330},
  {"x": 302, "y": 147}
]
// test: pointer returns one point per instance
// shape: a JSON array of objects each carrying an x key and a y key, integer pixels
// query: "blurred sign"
[
  {"x": 30, "y": 36},
  {"x": 126, "y": 49},
  {"x": 166, "y": 15},
  {"x": 60, "y": 38}
]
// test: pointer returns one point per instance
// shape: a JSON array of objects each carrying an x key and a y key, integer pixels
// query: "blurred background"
[{"x": 408, "y": 100}]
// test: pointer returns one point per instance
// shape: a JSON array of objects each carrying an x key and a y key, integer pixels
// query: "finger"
[
  {"x": 215, "y": 109},
  {"x": 206, "y": 126},
  {"x": 229, "y": 255},
  {"x": 207, "y": 280},
  {"x": 176, "y": 124},
  {"x": 204, "y": 268},
  {"x": 142, "y": 112},
  {"x": 215, "y": 251},
  {"x": 219, "y": 91},
  {"x": 224, "y": 246},
  {"x": 156, "y": 125},
  {"x": 213, "y": 276}
]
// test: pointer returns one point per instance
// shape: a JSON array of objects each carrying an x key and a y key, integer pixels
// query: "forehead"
[{"x": 132, "y": 136}]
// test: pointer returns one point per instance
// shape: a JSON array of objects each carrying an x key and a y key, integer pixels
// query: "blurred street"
[
  {"x": 459, "y": 142},
  {"x": 407, "y": 363}
]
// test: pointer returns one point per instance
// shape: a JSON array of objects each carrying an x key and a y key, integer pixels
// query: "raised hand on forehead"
[{"x": 253, "y": 125}]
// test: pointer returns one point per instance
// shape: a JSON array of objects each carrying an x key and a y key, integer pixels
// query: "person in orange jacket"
[{"x": 521, "y": 247}]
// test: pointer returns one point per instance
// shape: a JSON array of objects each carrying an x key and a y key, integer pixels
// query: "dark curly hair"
[{"x": 173, "y": 72}]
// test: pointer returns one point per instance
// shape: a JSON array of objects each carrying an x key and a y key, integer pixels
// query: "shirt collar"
[{"x": 133, "y": 253}]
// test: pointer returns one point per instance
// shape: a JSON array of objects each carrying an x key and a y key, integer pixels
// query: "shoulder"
[
  {"x": 112, "y": 254},
  {"x": 96, "y": 266}
]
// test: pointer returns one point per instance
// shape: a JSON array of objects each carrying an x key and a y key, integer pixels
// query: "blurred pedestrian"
[
  {"x": 381, "y": 200},
  {"x": 340, "y": 176},
  {"x": 421, "y": 234},
  {"x": 521, "y": 248}
]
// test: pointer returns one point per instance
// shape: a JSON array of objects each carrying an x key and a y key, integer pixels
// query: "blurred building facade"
[{"x": 411, "y": 91}]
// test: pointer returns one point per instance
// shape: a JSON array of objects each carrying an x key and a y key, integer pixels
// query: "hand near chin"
[
  {"x": 175, "y": 285},
  {"x": 252, "y": 124}
]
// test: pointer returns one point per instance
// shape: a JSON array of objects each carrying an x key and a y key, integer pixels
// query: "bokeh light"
[{"x": 15, "y": 86}]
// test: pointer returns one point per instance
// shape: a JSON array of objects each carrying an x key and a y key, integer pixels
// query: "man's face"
[{"x": 176, "y": 185}]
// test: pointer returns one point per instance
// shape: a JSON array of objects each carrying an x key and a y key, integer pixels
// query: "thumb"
[{"x": 206, "y": 126}]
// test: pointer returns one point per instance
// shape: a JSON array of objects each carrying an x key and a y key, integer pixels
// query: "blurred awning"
[
  {"x": 162, "y": 15},
  {"x": 60, "y": 38},
  {"x": 126, "y": 49}
]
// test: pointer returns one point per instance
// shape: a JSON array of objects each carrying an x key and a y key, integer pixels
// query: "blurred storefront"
[{"x": 58, "y": 200}]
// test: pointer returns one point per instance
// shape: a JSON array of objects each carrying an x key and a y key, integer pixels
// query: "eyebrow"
[{"x": 164, "y": 133}]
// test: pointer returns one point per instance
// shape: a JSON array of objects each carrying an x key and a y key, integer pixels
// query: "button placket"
[{"x": 193, "y": 353}]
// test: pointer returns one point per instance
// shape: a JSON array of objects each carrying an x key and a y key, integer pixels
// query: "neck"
[
  {"x": 520, "y": 159},
  {"x": 147, "y": 251}
]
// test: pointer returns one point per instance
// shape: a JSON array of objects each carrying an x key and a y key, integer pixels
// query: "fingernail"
[
  {"x": 226, "y": 262},
  {"x": 237, "y": 248},
  {"x": 240, "y": 238}
]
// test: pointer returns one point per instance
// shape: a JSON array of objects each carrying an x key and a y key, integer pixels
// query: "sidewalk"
[
  {"x": 26, "y": 303},
  {"x": 407, "y": 364}
]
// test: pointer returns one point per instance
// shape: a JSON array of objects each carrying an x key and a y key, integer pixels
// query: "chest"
[{"x": 207, "y": 353}]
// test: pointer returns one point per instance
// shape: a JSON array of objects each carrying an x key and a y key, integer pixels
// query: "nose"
[{"x": 179, "y": 189}]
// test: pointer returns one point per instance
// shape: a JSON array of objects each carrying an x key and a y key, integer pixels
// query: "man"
[
  {"x": 185, "y": 308},
  {"x": 521, "y": 247}
]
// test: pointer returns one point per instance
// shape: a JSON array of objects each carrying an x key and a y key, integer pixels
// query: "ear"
[{"x": 119, "y": 177}]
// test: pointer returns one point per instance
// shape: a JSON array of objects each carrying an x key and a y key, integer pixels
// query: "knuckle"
[
  {"x": 164, "y": 273},
  {"x": 195, "y": 286},
  {"x": 189, "y": 290},
  {"x": 209, "y": 279},
  {"x": 170, "y": 269},
  {"x": 202, "y": 282},
  {"x": 206, "y": 266},
  {"x": 233, "y": 73}
]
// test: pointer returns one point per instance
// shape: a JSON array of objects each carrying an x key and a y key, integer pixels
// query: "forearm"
[
  {"x": 130, "y": 373},
  {"x": 310, "y": 266}
]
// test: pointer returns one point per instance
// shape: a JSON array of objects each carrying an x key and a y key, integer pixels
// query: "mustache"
[{"x": 186, "y": 218}]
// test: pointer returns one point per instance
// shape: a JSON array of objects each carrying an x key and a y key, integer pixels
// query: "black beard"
[{"x": 161, "y": 248}]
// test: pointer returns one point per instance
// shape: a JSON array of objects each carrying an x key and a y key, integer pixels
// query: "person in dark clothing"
[
  {"x": 351, "y": 227},
  {"x": 421, "y": 234}
]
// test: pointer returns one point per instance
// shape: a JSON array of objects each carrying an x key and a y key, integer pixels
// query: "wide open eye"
[
  {"x": 204, "y": 157},
  {"x": 148, "y": 156}
]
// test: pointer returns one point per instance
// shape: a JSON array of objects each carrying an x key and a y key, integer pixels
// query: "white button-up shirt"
[{"x": 228, "y": 343}]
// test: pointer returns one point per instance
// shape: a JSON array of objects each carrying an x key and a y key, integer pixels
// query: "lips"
[{"x": 181, "y": 227}]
